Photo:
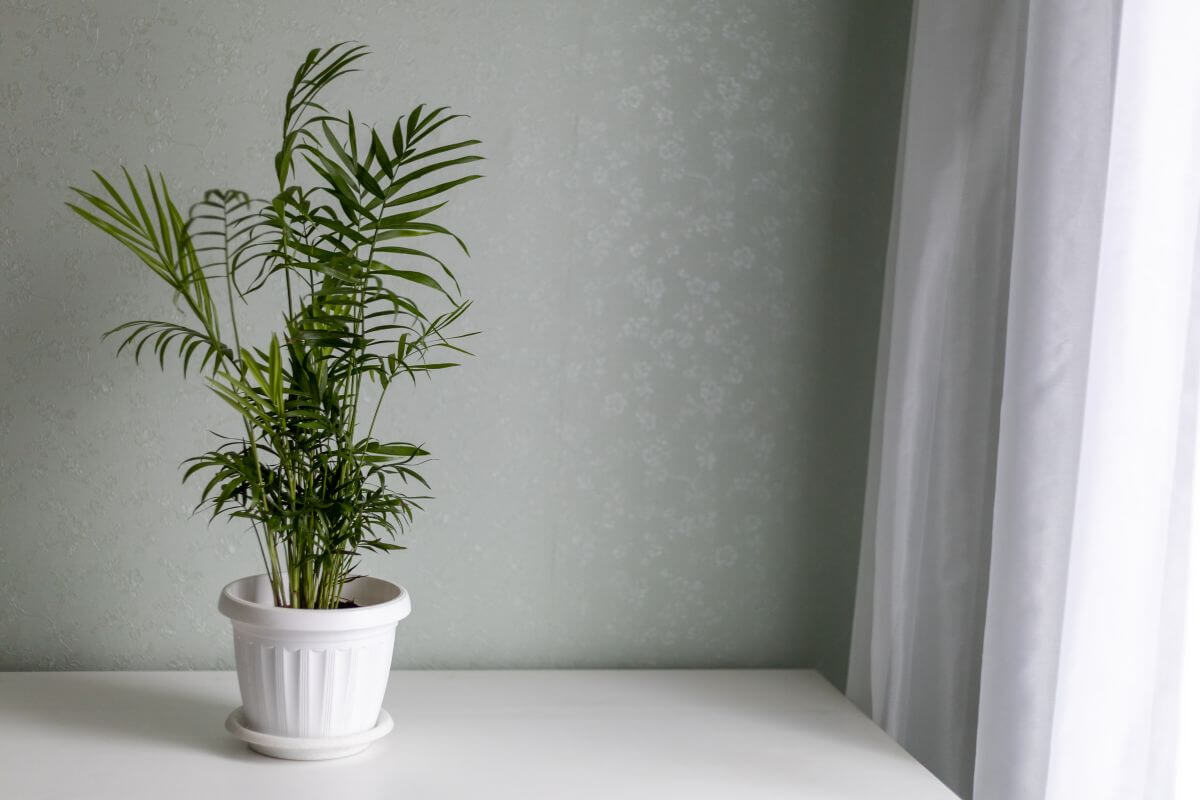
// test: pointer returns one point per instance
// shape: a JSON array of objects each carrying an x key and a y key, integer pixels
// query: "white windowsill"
[{"x": 695, "y": 734}]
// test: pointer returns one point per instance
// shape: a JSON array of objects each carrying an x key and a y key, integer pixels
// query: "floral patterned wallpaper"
[{"x": 658, "y": 456}]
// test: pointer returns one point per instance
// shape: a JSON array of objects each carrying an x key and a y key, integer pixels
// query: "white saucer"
[{"x": 299, "y": 748}]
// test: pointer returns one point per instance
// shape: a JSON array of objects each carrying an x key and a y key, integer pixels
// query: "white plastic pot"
[{"x": 308, "y": 675}]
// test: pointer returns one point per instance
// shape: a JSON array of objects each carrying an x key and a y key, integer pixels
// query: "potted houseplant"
[{"x": 365, "y": 302}]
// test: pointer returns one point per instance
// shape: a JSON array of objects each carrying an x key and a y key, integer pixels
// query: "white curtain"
[{"x": 1027, "y": 602}]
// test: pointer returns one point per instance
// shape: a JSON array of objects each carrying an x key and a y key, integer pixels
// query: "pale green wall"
[{"x": 658, "y": 456}]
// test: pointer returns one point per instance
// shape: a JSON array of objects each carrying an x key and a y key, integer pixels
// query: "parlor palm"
[{"x": 366, "y": 301}]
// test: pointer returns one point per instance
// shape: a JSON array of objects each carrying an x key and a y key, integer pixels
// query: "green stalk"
[{"x": 272, "y": 564}]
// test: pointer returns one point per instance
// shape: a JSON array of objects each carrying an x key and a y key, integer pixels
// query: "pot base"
[{"x": 298, "y": 748}]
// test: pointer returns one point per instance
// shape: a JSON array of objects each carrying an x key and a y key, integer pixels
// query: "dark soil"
[{"x": 347, "y": 604}]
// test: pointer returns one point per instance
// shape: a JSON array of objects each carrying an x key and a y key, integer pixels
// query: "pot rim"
[{"x": 386, "y": 604}]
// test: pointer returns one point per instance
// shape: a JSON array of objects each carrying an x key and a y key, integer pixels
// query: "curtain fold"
[{"x": 1024, "y": 585}]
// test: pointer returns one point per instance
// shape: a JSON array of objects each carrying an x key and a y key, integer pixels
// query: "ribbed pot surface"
[{"x": 313, "y": 673}]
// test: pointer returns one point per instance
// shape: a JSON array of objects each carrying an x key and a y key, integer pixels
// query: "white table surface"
[{"x": 695, "y": 734}]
